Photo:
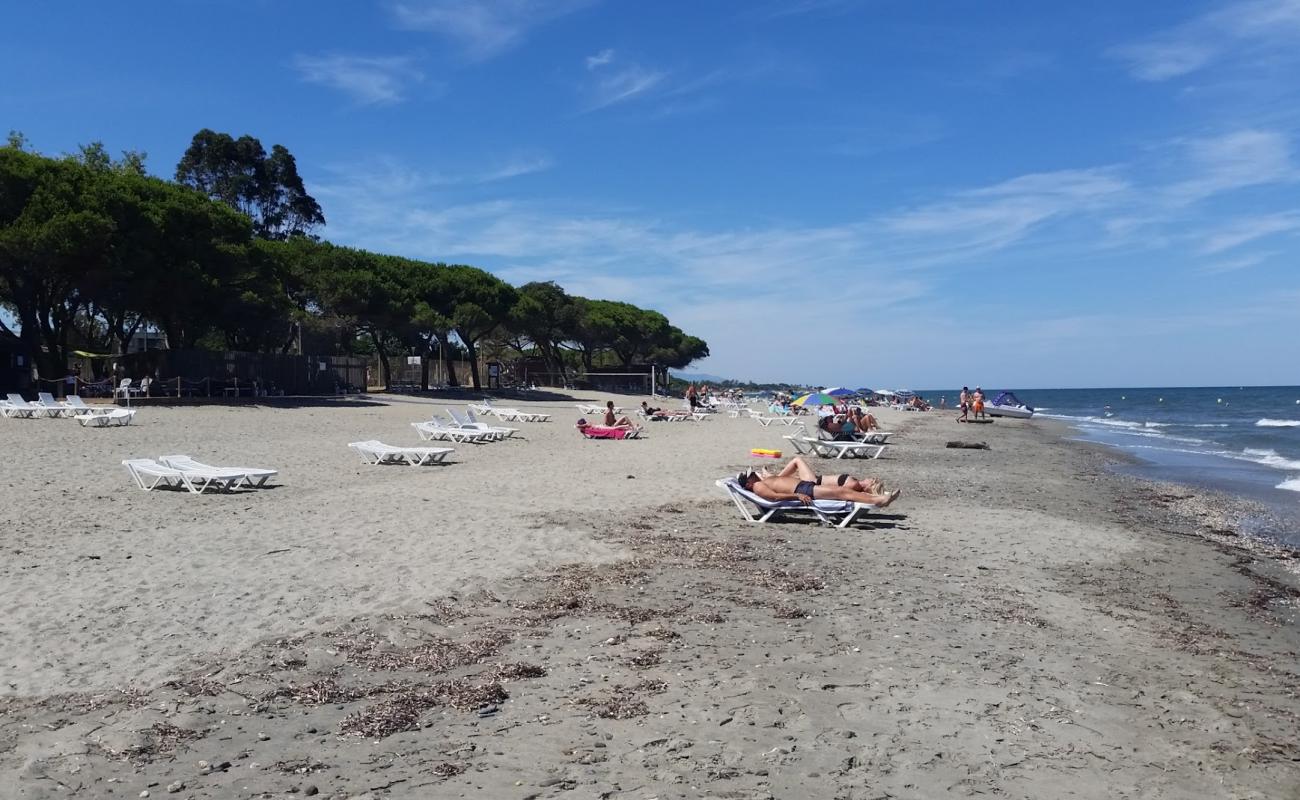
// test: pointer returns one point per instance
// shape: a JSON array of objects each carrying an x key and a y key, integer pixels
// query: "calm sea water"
[{"x": 1242, "y": 440}]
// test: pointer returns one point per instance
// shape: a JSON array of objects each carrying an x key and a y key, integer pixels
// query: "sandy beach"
[{"x": 550, "y": 616}]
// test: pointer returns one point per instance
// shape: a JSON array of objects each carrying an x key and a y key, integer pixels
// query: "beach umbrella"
[
  {"x": 839, "y": 392},
  {"x": 814, "y": 399},
  {"x": 864, "y": 391}
]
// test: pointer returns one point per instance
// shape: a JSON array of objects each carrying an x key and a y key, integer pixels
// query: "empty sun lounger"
[
  {"x": 469, "y": 423},
  {"x": 508, "y": 414},
  {"x": 602, "y": 432},
  {"x": 113, "y": 418},
  {"x": 592, "y": 408},
  {"x": 376, "y": 452},
  {"x": 18, "y": 408},
  {"x": 832, "y": 449},
  {"x": 53, "y": 408},
  {"x": 790, "y": 420},
  {"x": 255, "y": 477},
  {"x": 437, "y": 430},
  {"x": 149, "y": 475},
  {"x": 79, "y": 406},
  {"x": 840, "y": 513}
]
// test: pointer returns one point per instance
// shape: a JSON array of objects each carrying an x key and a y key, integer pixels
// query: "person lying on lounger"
[
  {"x": 659, "y": 413},
  {"x": 612, "y": 420},
  {"x": 798, "y": 481}
]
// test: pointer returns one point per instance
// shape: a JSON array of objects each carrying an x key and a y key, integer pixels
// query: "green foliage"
[
  {"x": 92, "y": 249},
  {"x": 239, "y": 173}
]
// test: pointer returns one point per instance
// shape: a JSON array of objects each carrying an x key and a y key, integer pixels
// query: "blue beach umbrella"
[
  {"x": 814, "y": 399},
  {"x": 838, "y": 392}
]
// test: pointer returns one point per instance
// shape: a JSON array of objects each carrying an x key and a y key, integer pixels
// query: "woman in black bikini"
[{"x": 798, "y": 479}]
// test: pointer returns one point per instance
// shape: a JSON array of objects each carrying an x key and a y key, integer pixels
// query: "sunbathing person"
[
  {"x": 798, "y": 481},
  {"x": 614, "y": 421},
  {"x": 659, "y": 413}
]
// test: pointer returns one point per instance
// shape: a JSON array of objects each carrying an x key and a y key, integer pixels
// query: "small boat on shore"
[{"x": 1007, "y": 404}]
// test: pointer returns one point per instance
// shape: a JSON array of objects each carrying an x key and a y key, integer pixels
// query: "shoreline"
[
  {"x": 1231, "y": 510},
  {"x": 1022, "y": 622}
]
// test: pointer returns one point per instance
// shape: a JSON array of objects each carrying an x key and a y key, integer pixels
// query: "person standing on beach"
[
  {"x": 963, "y": 402},
  {"x": 978, "y": 400},
  {"x": 692, "y": 398}
]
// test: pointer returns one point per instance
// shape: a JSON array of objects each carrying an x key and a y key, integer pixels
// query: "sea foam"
[
  {"x": 1269, "y": 458},
  {"x": 1291, "y": 485},
  {"x": 1277, "y": 423}
]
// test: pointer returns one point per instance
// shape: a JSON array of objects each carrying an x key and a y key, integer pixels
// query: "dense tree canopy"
[
  {"x": 239, "y": 173},
  {"x": 92, "y": 249}
]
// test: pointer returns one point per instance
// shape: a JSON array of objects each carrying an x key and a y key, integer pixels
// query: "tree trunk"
[
  {"x": 447, "y": 361},
  {"x": 385, "y": 372},
  {"x": 472, "y": 352}
]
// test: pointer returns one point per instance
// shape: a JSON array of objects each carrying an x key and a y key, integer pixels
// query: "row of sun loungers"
[
  {"x": 15, "y": 407},
  {"x": 183, "y": 472}
]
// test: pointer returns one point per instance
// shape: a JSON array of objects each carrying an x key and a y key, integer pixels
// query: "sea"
[{"x": 1243, "y": 440}]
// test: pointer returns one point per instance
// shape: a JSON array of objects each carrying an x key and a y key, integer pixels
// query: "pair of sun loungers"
[
  {"x": 462, "y": 429},
  {"x": 840, "y": 513},
  {"x": 183, "y": 472}
]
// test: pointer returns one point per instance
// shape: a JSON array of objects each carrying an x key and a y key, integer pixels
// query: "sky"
[{"x": 877, "y": 193}]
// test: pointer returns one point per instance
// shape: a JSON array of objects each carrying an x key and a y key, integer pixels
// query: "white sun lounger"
[
  {"x": 784, "y": 420},
  {"x": 255, "y": 477},
  {"x": 508, "y": 414},
  {"x": 438, "y": 430},
  {"x": 149, "y": 475},
  {"x": 830, "y": 449},
  {"x": 113, "y": 418},
  {"x": 376, "y": 452},
  {"x": 471, "y": 421},
  {"x": 17, "y": 407},
  {"x": 79, "y": 406},
  {"x": 592, "y": 408},
  {"x": 467, "y": 423},
  {"x": 53, "y": 408},
  {"x": 839, "y": 513}
]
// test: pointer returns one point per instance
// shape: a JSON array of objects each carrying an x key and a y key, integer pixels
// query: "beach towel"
[{"x": 601, "y": 432}]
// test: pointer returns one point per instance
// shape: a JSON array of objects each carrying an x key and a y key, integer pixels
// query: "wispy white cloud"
[
  {"x": 615, "y": 81},
  {"x": 600, "y": 59},
  {"x": 481, "y": 29},
  {"x": 368, "y": 80},
  {"x": 1244, "y": 231},
  {"x": 1245, "y": 29},
  {"x": 996, "y": 216},
  {"x": 1234, "y": 264},
  {"x": 1235, "y": 160}
]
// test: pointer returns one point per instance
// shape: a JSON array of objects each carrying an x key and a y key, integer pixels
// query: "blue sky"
[{"x": 1014, "y": 194}]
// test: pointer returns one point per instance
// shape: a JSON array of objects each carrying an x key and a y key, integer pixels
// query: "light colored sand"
[
  {"x": 103, "y": 584},
  {"x": 1021, "y": 624}
]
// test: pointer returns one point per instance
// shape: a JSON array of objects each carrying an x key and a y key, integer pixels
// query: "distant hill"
[{"x": 696, "y": 377}]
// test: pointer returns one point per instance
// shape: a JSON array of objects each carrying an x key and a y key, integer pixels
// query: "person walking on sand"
[
  {"x": 692, "y": 398},
  {"x": 963, "y": 402}
]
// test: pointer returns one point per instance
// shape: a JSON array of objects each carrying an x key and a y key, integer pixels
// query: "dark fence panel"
[{"x": 200, "y": 373}]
